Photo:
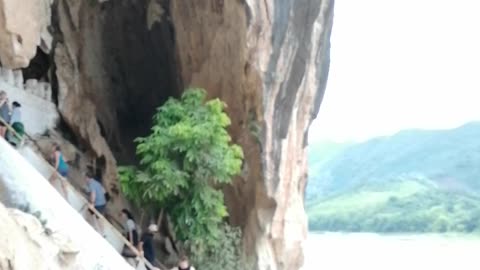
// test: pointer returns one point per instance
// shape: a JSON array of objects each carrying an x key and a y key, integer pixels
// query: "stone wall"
[{"x": 39, "y": 113}]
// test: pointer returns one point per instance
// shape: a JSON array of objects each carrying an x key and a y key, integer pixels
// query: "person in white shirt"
[
  {"x": 129, "y": 227},
  {"x": 183, "y": 264},
  {"x": 16, "y": 116}
]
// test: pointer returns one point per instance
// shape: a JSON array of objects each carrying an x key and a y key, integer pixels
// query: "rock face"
[
  {"x": 117, "y": 61},
  {"x": 23, "y": 27},
  {"x": 269, "y": 61},
  {"x": 113, "y": 71},
  {"x": 37, "y": 250}
]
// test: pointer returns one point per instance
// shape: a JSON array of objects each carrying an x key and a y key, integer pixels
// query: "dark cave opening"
[
  {"x": 141, "y": 68},
  {"x": 42, "y": 68},
  {"x": 38, "y": 67}
]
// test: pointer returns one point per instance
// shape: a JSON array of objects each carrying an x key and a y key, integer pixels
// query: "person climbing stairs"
[{"x": 76, "y": 200}]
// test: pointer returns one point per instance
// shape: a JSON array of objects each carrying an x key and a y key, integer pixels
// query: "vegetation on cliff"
[{"x": 183, "y": 162}]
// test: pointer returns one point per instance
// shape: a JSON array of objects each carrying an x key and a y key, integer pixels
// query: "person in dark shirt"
[{"x": 146, "y": 246}]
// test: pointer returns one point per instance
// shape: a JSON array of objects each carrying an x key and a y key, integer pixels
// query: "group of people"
[
  {"x": 10, "y": 114},
  {"x": 96, "y": 192},
  {"x": 97, "y": 199},
  {"x": 145, "y": 243}
]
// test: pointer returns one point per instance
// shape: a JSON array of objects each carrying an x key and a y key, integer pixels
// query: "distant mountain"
[
  {"x": 414, "y": 206},
  {"x": 318, "y": 155},
  {"x": 441, "y": 162},
  {"x": 450, "y": 157}
]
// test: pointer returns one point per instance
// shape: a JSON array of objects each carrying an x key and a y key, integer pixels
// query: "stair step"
[{"x": 75, "y": 198}]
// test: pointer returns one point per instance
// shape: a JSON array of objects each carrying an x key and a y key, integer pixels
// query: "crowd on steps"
[{"x": 10, "y": 116}]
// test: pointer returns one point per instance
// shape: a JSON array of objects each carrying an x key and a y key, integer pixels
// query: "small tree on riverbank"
[{"x": 184, "y": 160}]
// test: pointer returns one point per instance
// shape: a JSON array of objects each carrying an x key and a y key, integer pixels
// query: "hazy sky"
[{"x": 398, "y": 64}]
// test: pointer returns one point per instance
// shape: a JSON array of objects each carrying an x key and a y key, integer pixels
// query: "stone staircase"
[{"x": 24, "y": 174}]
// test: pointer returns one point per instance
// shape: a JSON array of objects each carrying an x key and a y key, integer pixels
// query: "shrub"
[{"x": 183, "y": 162}]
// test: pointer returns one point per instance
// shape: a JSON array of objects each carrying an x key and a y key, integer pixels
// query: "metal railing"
[{"x": 72, "y": 188}]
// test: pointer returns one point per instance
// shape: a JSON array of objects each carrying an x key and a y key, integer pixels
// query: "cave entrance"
[
  {"x": 38, "y": 67},
  {"x": 141, "y": 67}
]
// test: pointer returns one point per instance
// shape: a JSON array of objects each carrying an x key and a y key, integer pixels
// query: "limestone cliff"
[
  {"x": 23, "y": 27},
  {"x": 114, "y": 62},
  {"x": 37, "y": 250},
  {"x": 269, "y": 61}
]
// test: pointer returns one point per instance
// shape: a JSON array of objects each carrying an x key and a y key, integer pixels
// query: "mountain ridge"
[
  {"x": 407, "y": 151},
  {"x": 418, "y": 170}
]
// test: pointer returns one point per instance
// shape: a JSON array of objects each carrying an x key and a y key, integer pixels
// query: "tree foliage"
[
  {"x": 183, "y": 162},
  {"x": 413, "y": 181},
  {"x": 394, "y": 209}
]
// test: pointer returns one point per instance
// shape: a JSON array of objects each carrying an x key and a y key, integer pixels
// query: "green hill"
[
  {"x": 318, "y": 155},
  {"x": 414, "y": 181}
]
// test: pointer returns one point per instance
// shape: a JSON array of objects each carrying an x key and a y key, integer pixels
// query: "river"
[{"x": 337, "y": 251}]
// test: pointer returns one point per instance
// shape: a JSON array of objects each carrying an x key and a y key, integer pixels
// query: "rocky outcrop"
[
  {"x": 269, "y": 61},
  {"x": 112, "y": 73},
  {"x": 28, "y": 246},
  {"x": 23, "y": 27},
  {"x": 117, "y": 61},
  {"x": 77, "y": 66}
]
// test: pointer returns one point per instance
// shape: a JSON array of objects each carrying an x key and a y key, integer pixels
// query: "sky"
[{"x": 400, "y": 64}]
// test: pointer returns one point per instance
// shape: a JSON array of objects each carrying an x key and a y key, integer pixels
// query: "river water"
[{"x": 336, "y": 251}]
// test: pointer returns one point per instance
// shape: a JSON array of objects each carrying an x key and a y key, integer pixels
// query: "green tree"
[{"x": 183, "y": 163}]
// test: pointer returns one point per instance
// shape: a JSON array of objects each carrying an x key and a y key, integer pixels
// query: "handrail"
[{"x": 98, "y": 214}]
